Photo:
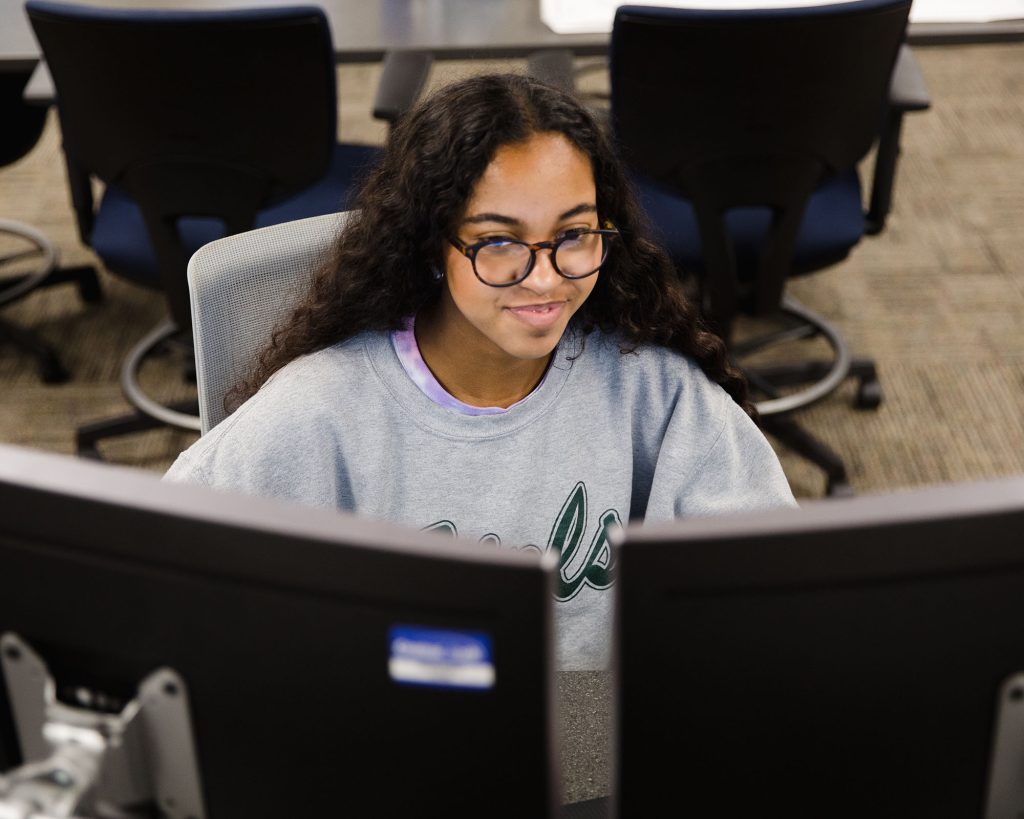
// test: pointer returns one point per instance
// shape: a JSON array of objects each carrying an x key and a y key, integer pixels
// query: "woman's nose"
[{"x": 543, "y": 276}]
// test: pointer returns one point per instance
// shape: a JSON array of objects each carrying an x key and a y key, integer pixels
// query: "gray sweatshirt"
[{"x": 606, "y": 437}]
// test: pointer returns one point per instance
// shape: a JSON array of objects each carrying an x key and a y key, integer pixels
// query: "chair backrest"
[
  {"x": 192, "y": 113},
  {"x": 242, "y": 287},
  {"x": 737, "y": 108}
]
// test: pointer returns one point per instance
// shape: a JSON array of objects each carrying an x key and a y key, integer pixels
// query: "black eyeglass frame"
[{"x": 606, "y": 231}]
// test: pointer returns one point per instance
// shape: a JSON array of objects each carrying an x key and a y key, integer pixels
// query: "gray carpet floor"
[{"x": 937, "y": 300}]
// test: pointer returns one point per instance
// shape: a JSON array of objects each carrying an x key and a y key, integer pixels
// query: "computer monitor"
[
  {"x": 328, "y": 665},
  {"x": 856, "y": 658}
]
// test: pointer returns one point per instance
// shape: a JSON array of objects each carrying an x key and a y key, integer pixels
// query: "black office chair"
[
  {"x": 744, "y": 129},
  {"x": 200, "y": 124},
  {"x": 22, "y": 126}
]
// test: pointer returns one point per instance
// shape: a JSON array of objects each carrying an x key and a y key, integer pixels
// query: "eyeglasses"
[{"x": 575, "y": 254}]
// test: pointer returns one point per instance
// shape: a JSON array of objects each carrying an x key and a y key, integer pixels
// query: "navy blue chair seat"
[
  {"x": 119, "y": 233},
  {"x": 832, "y": 225}
]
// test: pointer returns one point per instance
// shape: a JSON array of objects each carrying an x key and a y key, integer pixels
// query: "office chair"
[
  {"x": 744, "y": 129},
  {"x": 199, "y": 124},
  {"x": 241, "y": 288},
  {"x": 22, "y": 126}
]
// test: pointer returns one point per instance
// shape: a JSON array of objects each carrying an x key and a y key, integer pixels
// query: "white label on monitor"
[{"x": 440, "y": 658}]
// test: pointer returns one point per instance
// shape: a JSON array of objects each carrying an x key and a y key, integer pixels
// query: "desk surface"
[{"x": 365, "y": 29}]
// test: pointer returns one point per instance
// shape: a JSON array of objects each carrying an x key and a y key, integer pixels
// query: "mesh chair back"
[
  {"x": 751, "y": 107},
  {"x": 192, "y": 113},
  {"x": 242, "y": 287}
]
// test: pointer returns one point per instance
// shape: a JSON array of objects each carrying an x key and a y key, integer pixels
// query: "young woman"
[{"x": 497, "y": 350}]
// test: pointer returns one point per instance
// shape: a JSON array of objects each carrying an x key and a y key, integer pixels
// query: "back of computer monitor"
[
  {"x": 333, "y": 666},
  {"x": 858, "y": 658}
]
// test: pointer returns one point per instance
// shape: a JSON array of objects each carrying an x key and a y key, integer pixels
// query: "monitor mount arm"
[{"x": 84, "y": 761}]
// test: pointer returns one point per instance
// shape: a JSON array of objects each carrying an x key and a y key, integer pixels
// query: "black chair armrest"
[
  {"x": 907, "y": 92},
  {"x": 554, "y": 66},
  {"x": 405, "y": 74}
]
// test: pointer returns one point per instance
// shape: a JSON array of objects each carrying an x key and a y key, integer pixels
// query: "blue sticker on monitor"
[{"x": 440, "y": 658}]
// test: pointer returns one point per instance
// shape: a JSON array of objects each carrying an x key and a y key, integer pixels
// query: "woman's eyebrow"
[
  {"x": 491, "y": 217},
  {"x": 576, "y": 211},
  {"x": 583, "y": 207}
]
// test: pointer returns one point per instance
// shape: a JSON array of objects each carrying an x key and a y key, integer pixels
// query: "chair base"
[
  {"x": 822, "y": 376},
  {"x": 51, "y": 370},
  {"x": 796, "y": 438},
  {"x": 148, "y": 414},
  {"x": 88, "y": 436},
  {"x": 869, "y": 390},
  {"x": 47, "y": 274}
]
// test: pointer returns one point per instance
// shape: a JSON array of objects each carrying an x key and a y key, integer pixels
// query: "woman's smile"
[{"x": 542, "y": 316}]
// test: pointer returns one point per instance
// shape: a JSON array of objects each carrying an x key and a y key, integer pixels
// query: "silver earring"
[{"x": 436, "y": 273}]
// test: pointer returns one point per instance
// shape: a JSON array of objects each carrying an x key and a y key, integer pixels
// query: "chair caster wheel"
[
  {"x": 89, "y": 289},
  {"x": 869, "y": 395},
  {"x": 53, "y": 372},
  {"x": 839, "y": 488},
  {"x": 85, "y": 448},
  {"x": 55, "y": 377}
]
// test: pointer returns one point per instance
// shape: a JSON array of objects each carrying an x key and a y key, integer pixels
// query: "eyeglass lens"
[{"x": 508, "y": 262}]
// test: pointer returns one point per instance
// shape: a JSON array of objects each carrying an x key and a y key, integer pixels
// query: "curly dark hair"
[{"x": 378, "y": 272}]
